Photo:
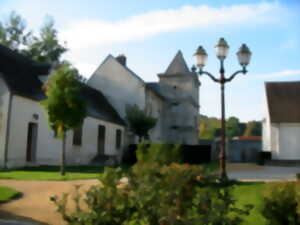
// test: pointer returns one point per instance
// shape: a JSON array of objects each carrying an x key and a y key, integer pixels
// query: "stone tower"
[{"x": 180, "y": 87}]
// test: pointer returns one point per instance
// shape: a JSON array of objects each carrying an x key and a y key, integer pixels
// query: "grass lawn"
[
  {"x": 251, "y": 193},
  {"x": 73, "y": 172},
  {"x": 52, "y": 173},
  {"x": 7, "y": 194}
]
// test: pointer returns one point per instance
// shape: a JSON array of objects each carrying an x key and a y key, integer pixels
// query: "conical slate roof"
[{"x": 178, "y": 65}]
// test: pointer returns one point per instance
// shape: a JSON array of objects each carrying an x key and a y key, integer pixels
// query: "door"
[
  {"x": 31, "y": 142},
  {"x": 101, "y": 140}
]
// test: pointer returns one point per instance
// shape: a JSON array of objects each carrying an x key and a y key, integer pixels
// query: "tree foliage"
[
  {"x": 139, "y": 122},
  {"x": 232, "y": 127},
  {"x": 66, "y": 109},
  {"x": 209, "y": 127},
  {"x": 253, "y": 128},
  {"x": 13, "y": 32},
  {"x": 44, "y": 47}
]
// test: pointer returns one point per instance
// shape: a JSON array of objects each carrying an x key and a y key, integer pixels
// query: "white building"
[
  {"x": 25, "y": 137},
  {"x": 281, "y": 127},
  {"x": 174, "y": 100}
]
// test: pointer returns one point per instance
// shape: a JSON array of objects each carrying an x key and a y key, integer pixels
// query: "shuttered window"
[
  {"x": 118, "y": 138},
  {"x": 77, "y": 136}
]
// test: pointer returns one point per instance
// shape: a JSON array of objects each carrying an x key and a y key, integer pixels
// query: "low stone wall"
[{"x": 238, "y": 150}]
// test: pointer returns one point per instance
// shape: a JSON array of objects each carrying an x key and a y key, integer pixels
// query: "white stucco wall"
[
  {"x": 49, "y": 147},
  {"x": 4, "y": 102},
  {"x": 154, "y": 106},
  {"x": 289, "y": 141},
  {"x": 182, "y": 110},
  {"x": 119, "y": 85},
  {"x": 266, "y": 127},
  {"x": 274, "y": 140}
]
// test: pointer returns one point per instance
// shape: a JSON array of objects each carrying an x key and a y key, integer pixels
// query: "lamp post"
[{"x": 244, "y": 56}]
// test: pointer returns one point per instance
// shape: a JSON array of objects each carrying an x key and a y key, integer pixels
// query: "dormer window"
[{"x": 174, "y": 127}]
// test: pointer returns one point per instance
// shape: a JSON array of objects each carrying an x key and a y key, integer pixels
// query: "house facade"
[
  {"x": 281, "y": 126},
  {"x": 173, "y": 100},
  {"x": 25, "y": 137}
]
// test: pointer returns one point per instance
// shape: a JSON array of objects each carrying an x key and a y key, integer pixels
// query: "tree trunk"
[{"x": 63, "y": 155}]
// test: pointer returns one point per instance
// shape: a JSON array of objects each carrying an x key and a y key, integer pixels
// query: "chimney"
[{"x": 121, "y": 59}]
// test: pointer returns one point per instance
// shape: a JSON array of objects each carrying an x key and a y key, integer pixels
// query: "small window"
[
  {"x": 77, "y": 136},
  {"x": 55, "y": 133},
  {"x": 118, "y": 138},
  {"x": 175, "y": 103}
]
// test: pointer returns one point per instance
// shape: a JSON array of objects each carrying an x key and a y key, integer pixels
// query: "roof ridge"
[{"x": 177, "y": 65}]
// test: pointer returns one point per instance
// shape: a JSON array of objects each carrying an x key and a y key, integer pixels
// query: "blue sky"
[{"x": 150, "y": 33}]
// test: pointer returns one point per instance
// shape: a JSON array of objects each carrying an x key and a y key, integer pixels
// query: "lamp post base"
[{"x": 223, "y": 177}]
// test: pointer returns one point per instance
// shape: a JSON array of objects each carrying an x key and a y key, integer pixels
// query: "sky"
[{"x": 150, "y": 33}]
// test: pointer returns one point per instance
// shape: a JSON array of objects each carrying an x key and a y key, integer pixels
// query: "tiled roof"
[
  {"x": 178, "y": 65},
  {"x": 155, "y": 87},
  {"x": 21, "y": 75},
  {"x": 283, "y": 101},
  {"x": 99, "y": 107}
]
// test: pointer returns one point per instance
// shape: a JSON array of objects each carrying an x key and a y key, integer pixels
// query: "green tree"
[
  {"x": 253, "y": 128},
  {"x": 46, "y": 47},
  {"x": 66, "y": 109},
  {"x": 208, "y": 127},
  {"x": 232, "y": 127},
  {"x": 139, "y": 122},
  {"x": 13, "y": 32},
  {"x": 43, "y": 48}
]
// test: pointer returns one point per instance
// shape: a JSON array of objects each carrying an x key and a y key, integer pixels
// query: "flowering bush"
[{"x": 155, "y": 192}]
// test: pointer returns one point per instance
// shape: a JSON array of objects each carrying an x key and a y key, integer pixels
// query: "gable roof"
[
  {"x": 21, "y": 75},
  {"x": 155, "y": 87},
  {"x": 178, "y": 65},
  {"x": 98, "y": 106},
  {"x": 110, "y": 57},
  {"x": 283, "y": 101}
]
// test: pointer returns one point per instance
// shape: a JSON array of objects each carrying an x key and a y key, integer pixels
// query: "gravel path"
[
  {"x": 35, "y": 205},
  {"x": 251, "y": 172}
]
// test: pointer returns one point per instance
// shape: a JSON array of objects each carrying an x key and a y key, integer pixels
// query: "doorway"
[
  {"x": 31, "y": 142},
  {"x": 101, "y": 140}
]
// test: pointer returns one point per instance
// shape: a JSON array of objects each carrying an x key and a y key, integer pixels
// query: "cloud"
[
  {"x": 281, "y": 74},
  {"x": 89, "y": 33}
]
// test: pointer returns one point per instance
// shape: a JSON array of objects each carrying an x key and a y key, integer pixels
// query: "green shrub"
[
  {"x": 298, "y": 176},
  {"x": 155, "y": 195},
  {"x": 281, "y": 203},
  {"x": 162, "y": 154},
  {"x": 156, "y": 191}
]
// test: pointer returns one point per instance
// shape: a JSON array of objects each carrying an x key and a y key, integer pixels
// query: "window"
[
  {"x": 118, "y": 138},
  {"x": 174, "y": 127},
  {"x": 77, "y": 136}
]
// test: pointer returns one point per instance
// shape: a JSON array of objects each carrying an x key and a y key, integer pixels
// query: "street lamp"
[{"x": 244, "y": 56}]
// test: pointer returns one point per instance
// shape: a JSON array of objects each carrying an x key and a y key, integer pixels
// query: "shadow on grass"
[
  {"x": 15, "y": 197},
  {"x": 13, "y": 217},
  {"x": 72, "y": 169}
]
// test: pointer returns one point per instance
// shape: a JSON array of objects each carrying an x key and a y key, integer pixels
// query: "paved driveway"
[
  {"x": 248, "y": 172},
  {"x": 35, "y": 207}
]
